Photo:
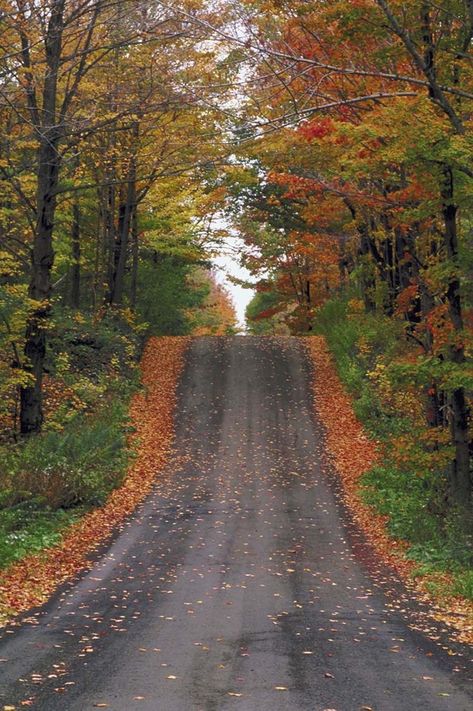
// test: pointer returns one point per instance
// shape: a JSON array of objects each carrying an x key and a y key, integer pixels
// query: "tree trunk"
[
  {"x": 31, "y": 397},
  {"x": 100, "y": 253},
  {"x": 110, "y": 237},
  {"x": 76, "y": 256},
  {"x": 433, "y": 412},
  {"x": 460, "y": 475},
  {"x": 135, "y": 258},
  {"x": 127, "y": 209},
  {"x": 367, "y": 284}
]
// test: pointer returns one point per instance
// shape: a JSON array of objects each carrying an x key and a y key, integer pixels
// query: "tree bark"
[
  {"x": 127, "y": 208},
  {"x": 76, "y": 256},
  {"x": 135, "y": 258},
  {"x": 31, "y": 397},
  {"x": 460, "y": 475}
]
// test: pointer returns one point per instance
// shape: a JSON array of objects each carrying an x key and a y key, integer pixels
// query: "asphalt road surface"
[{"x": 240, "y": 583}]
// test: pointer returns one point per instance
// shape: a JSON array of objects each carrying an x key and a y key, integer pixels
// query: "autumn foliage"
[{"x": 358, "y": 187}]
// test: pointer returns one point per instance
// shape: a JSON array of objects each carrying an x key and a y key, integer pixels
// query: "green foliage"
[
  {"x": 28, "y": 528},
  {"x": 94, "y": 344},
  {"x": 357, "y": 340},
  {"x": 463, "y": 584},
  {"x": 406, "y": 500},
  {"x": 261, "y": 313},
  {"x": 165, "y": 297},
  {"x": 446, "y": 374},
  {"x": 47, "y": 481},
  {"x": 14, "y": 310},
  {"x": 79, "y": 465}
]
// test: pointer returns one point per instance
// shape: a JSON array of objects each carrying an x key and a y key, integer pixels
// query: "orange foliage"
[
  {"x": 218, "y": 316},
  {"x": 406, "y": 298},
  {"x": 440, "y": 326}
]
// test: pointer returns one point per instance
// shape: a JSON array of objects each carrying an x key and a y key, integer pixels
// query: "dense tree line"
[
  {"x": 106, "y": 162},
  {"x": 336, "y": 135}
]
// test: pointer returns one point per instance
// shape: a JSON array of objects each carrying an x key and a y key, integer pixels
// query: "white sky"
[{"x": 227, "y": 265}]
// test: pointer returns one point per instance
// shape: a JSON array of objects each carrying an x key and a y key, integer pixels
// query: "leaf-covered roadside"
[
  {"x": 354, "y": 454},
  {"x": 31, "y": 581}
]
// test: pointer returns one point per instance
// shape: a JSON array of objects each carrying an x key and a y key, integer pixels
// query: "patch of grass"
[
  {"x": 439, "y": 544},
  {"x": 404, "y": 499},
  {"x": 463, "y": 584},
  {"x": 458, "y": 583},
  {"x": 28, "y": 528},
  {"x": 77, "y": 466},
  {"x": 49, "y": 480}
]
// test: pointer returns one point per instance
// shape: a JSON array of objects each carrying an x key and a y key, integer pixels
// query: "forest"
[{"x": 333, "y": 137}]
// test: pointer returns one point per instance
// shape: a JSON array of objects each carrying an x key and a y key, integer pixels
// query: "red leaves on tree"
[
  {"x": 440, "y": 326},
  {"x": 406, "y": 299},
  {"x": 317, "y": 129}
]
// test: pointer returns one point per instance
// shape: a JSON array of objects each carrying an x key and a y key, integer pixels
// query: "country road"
[{"x": 239, "y": 584}]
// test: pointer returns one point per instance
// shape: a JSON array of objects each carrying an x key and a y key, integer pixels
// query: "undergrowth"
[
  {"x": 409, "y": 485},
  {"x": 49, "y": 480}
]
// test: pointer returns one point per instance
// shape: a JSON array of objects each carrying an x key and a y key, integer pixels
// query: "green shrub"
[
  {"x": 404, "y": 498},
  {"x": 92, "y": 346},
  {"x": 47, "y": 481},
  {"x": 77, "y": 466},
  {"x": 344, "y": 332},
  {"x": 463, "y": 584}
]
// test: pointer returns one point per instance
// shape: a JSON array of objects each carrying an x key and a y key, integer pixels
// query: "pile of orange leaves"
[{"x": 31, "y": 581}]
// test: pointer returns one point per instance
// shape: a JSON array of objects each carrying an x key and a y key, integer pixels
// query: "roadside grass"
[
  {"x": 412, "y": 497},
  {"x": 49, "y": 481},
  {"x": 28, "y": 528}
]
